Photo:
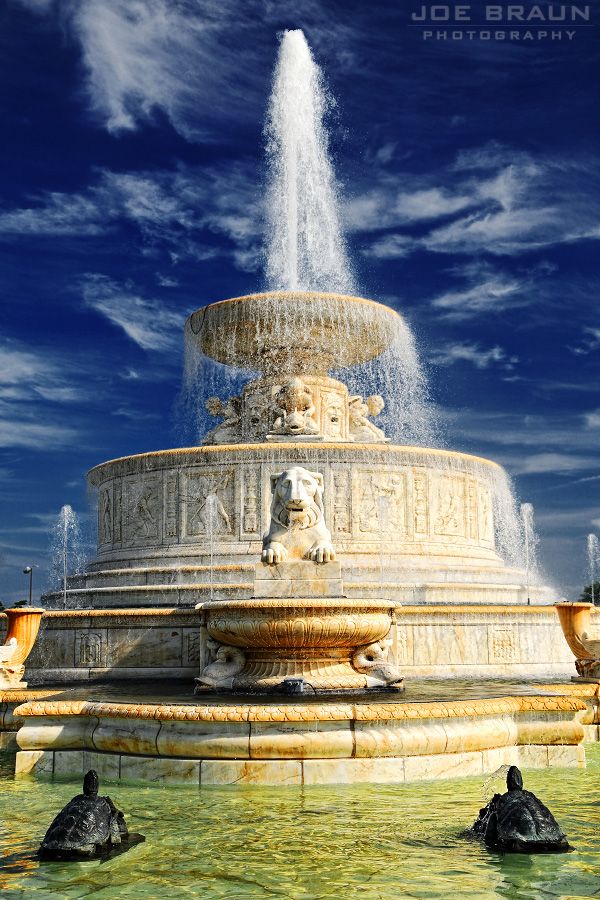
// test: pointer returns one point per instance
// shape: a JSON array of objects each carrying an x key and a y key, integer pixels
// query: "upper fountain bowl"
[{"x": 294, "y": 331}]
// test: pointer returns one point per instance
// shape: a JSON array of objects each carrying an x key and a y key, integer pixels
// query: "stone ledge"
[{"x": 125, "y": 767}]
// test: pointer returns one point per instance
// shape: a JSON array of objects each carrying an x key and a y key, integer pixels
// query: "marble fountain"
[{"x": 303, "y": 597}]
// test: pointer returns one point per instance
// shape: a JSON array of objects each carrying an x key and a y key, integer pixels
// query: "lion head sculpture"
[
  {"x": 297, "y": 498},
  {"x": 297, "y": 522}
]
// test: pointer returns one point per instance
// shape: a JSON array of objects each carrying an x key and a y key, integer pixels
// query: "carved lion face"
[{"x": 299, "y": 493}]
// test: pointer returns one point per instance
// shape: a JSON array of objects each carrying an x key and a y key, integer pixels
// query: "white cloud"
[
  {"x": 592, "y": 419},
  {"x": 499, "y": 201},
  {"x": 55, "y": 214},
  {"x": 494, "y": 294},
  {"x": 26, "y": 378},
  {"x": 176, "y": 212},
  {"x": 473, "y": 353},
  {"x": 539, "y": 463},
  {"x": 589, "y": 342},
  {"x": 173, "y": 56},
  {"x": 147, "y": 322},
  {"x": 390, "y": 205}
]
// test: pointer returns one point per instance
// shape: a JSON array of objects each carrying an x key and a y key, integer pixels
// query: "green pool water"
[{"x": 365, "y": 841}]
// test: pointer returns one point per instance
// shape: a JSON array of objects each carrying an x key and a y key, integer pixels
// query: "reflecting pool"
[{"x": 367, "y": 841}]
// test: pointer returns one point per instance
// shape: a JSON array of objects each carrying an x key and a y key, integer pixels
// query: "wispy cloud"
[
  {"x": 175, "y": 212},
  {"x": 473, "y": 353},
  {"x": 143, "y": 57},
  {"x": 492, "y": 199},
  {"x": 26, "y": 380},
  {"x": 146, "y": 321}
]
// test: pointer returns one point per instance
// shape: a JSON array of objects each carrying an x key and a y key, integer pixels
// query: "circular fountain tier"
[{"x": 294, "y": 331}]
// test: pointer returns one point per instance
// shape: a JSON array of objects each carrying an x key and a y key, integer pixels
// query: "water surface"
[{"x": 364, "y": 841}]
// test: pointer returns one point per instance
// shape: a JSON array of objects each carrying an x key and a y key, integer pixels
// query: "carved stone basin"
[
  {"x": 576, "y": 623},
  {"x": 309, "y": 638},
  {"x": 294, "y": 331},
  {"x": 21, "y": 633}
]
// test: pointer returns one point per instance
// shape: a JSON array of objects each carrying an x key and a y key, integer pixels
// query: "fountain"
[
  {"x": 254, "y": 562},
  {"x": 65, "y": 548},
  {"x": 531, "y": 543},
  {"x": 593, "y": 555}
]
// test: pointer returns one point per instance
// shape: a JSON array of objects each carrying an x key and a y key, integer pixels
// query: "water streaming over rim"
[{"x": 531, "y": 541}]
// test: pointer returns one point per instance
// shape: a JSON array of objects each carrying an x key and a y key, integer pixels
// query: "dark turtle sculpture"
[
  {"x": 88, "y": 827},
  {"x": 517, "y": 822}
]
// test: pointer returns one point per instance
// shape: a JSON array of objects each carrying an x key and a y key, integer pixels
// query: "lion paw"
[
  {"x": 274, "y": 554},
  {"x": 321, "y": 553}
]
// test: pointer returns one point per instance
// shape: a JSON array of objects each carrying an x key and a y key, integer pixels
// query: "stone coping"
[
  {"x": 310, "y": 712},
  {"x": 328, "y": 603},
  {"x": 97, "y": 473},
  {"x": 407, "y": 609},
  {"x": 301, "y": 297}
]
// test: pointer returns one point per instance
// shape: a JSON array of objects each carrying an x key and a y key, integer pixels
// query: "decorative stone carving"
[
  {"x": 297, "y": 526},
  {"x": 372, "y": 660},
  {"x": 576, "y": 623},
  {"x": 294, "y": 409},
  {"x": 226, "y": 663},
  {"x": 250, "y": 520},
  {"x": 342, "y": 508},
  {"x": 471, "y": 510},
  {"x": 22, "y": 630},
  {"x": 382, "y": 504},
  {"x": 117, "y": 511},
  {"x": 208, "y": 499},
  {"x": 105, "y": 531},
  {"x": 421, "y": 505},
  {"x": 229, "y": 431},
  {"x": 142, "y": 510},
  {"x": 90, "y": 649},
  {"x": 334, "y": 416},
  {"x": 450, "y": 518},
  {"x": 171, "y": 505},
  {"x": 256, "y": 414},
  {"x": 310, "y": 638},
  {"x": 486, "y": 524},
  {"x": 502, "y": 646},
  {"x": 361, "y": 429}
]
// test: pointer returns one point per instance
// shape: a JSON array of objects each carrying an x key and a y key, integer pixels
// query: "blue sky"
[{"x": 130, "y": 194}]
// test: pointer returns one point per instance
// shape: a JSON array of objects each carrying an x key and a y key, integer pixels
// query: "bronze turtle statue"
[
  {"x": 518, "y": 822},
  {"x": 88, "y": 827}
]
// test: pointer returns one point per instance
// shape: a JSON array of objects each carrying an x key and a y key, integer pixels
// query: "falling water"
[
  {"x": 305, "y": 246},
  {"x": 531, "y": 542},
  {"x": 66, "y": 549},
  {"x": 593, "y": 554}
]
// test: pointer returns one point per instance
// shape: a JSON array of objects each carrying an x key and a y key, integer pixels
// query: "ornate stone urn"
[
  {"x": 576, "y": 623},
  {"x": 21, "y": 633}
]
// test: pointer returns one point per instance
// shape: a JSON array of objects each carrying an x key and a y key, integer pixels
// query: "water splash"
[
  {"x": 305, "y": 244},
  {"x": 531, "y": 541},
  {"x": 66, "y": 549},
  {"x": 593, "y": 555}
]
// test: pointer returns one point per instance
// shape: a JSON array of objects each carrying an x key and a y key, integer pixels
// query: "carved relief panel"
[
  {"x": 471, "y": 509},
  {"x": 334, "y": 415},
  {"x": 502, "y": 646},
  {"x": 341, "y": 503},
  {"x": 251, "y": 502},
  {"x": 142, "y": 507},
  {"x": 381, "y": 503},
  {"x": 171, "y": 495},
  {"x": 420, "y": 504},
  {"x": 209, "y": 505},
  {"x": 449, "y": 514},
  {"x": 486, "y": 517},
  {"x": 105, "y": 523}
]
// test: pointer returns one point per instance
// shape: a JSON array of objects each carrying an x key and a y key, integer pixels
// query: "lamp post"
[{"x": 28, "y": 570}]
